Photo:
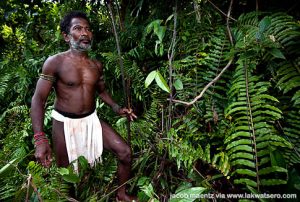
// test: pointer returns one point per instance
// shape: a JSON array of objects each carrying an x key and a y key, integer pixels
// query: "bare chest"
[{"x": 78, "y": 73}]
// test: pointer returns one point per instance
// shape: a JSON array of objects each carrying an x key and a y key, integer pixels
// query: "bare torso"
[{"x": 76, "y": 83}]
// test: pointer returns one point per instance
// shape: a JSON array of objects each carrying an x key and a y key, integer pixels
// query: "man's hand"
[
  {"x": 43, "y": 154},
  {"x": 128, "y": 113}
]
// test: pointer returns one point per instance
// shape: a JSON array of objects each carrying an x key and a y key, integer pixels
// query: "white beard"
[{"x": 82, "y": 47}]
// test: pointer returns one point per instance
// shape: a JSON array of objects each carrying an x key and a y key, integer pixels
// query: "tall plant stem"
[
  {"x": 125, "y": 88},
  {"x": 251, "y": 125},
  {"x": 171, "y": 53}
]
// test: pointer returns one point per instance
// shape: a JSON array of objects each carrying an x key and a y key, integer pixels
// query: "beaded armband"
[
  {"x": 48, "y": 77},
  {"x": 40, "y": 138}
]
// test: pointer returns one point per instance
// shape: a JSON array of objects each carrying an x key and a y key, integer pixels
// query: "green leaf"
[
  {"x": 151, "y": 76},
  {"x": 270, "y": 137},
  {"x": 7, "y": 167},
  {"x": 264, "y": 24},
  {"x": 277, "y": 159},
  {"x": 207, "y": 153},
  {"x": 254, "y": 191},
  {"x": 242, "y": 155},
  {"x": 235, "y": 104},
  {"x": 187, "y": 195},
  {"x": 236, "y": 109},
  {"x": 264, "y": 96},
  {"x": 272, "y": 182},
  {"x": 183, "y": 186},
  {"x": 245, "y": 172},
  {"x": 169, "y": 18},
  {"x": 277, "y": 53},
  {"x": 71, "y": 177},
  {"x": 152, "y": 26},
  {"x": 148, "y": 190},
  {"x": 243, "y": 162},
  {"x": 237, "y": 134},
  {"x": 161, "y": 49},
  {"x": 240, "y": 148},
  {"x": 83, "y": 162},
  {"x": 239, "y": 142},
  {"x": 6, "y": 31},
  {"x": 273, "y": 169},
  {"x": 245, "y": 181},
  {"x": 273, "y": 114},
  {"x": 266, "y": 106},
  {"x": 143, "y": 180},
  {"x": 178, "y": 84},
  {"x": 161, "y": 82},
  {"x": 63, "y": 171},
  {"x": 160, "y": 32}
]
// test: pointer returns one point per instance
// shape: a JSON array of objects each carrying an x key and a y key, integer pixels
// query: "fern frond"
[
  {"x": 253, "y": 134},
  {"x": 292, "y": 132}
]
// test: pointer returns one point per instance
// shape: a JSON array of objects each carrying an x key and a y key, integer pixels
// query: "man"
[{"x": 76, "y": 129}]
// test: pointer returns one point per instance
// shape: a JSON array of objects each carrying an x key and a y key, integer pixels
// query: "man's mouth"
[{"x": 86, "y": 41}]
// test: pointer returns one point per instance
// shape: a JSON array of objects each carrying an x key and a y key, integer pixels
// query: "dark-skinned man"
[{"x": 76, "y": 129}]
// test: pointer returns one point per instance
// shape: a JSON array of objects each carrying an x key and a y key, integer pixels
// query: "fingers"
[
  {"x": 48, "y": 161},
  {"x": 45, "y": 160},
  {"x": 130, "y": 115}
]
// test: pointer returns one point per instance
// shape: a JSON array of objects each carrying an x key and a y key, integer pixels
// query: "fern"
[
  {"x": 52, "y": 187},
  {"x": 287, "y": 80},
  {"x": 285, "y": 31},
  {"x": 253, "y": 135}
]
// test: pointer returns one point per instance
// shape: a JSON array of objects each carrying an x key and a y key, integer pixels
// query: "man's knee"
[{"x": 125, "y": 154}]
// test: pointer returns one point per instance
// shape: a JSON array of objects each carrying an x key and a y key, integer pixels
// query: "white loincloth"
[{"x": 83, "y": 137}]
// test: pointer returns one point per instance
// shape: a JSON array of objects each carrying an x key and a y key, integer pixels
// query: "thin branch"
[
  {"x": 66, "y": 197},
  {"x": 171, "y": 53},
  {"x": 114, "y": 190},
  {"x": 118, "y": 46},
  {"x": 206, "y": 87},
  {"x": 223, "y": 70},
  {"x": 35, "y": 190},
  {"x": 28, "y": 187},
  {"x": 125, "y": 88},
  {"x": 218, "y": 9},
  {"x": 227, "y": 22}
]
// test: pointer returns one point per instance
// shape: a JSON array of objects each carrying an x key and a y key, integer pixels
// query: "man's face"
[{"x": 80, "y": 36}]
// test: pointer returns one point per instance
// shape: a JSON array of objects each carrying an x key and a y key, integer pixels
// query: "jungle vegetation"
[{"x": 215, "y": 85}]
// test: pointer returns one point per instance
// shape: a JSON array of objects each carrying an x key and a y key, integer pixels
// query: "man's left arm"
[{"x": 106, "y": 97}]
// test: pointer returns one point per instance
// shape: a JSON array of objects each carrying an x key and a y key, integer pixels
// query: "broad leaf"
[
  {"x": 277, "y": 53},
  {"x": 151, "y": 76},
  {"x": 178, "y": 84},
  {"x": 161, "y": 82}
]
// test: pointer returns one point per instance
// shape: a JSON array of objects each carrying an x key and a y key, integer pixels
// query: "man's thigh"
[
  {"x": 112, "y": 141},
  {"x": 59, "y": 144}
]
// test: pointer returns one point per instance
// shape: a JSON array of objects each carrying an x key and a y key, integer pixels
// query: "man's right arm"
[
  {"x": 39, "y": 99},
  {"x": 38, "y": 102},
  {"x": 43, "y": 88}
]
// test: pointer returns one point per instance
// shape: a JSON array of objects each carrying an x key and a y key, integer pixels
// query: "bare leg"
[
  {"x": 111, "y": 141},
  {"x": 60, "y": 150},
  {"x": 59, "y": 144},
  {"x": 114, "y": 143}
]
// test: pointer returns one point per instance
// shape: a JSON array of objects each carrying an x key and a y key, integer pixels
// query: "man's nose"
[{"x": 84, "y": 32}]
